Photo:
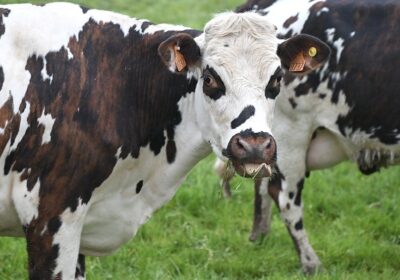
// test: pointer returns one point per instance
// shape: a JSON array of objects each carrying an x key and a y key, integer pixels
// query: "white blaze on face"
[{"x": 241, "y": 49}]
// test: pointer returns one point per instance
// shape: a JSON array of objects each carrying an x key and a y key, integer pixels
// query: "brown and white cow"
[
  {"x": 348, "y": 110},
  {"x": 96, "y": 133}
]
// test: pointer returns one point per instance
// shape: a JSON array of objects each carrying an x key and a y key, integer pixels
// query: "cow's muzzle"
[{"x": 252, "y": 154}]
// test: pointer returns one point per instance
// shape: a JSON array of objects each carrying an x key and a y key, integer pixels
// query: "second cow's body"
[{"x": 348, "y": 110}]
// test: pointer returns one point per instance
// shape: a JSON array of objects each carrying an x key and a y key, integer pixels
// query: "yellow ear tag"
[
  {"x": 312, "y": 51},
  {"x": 179, "y": 59}
]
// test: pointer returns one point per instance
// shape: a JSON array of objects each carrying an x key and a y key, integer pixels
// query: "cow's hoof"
[
  {"x": 312, "y": 268},
  {"x": 258, "y": 235},
  {"x": 226, "y": 189}
]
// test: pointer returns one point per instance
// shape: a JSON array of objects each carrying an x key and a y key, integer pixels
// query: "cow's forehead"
[{"x": 241, "y": 44}]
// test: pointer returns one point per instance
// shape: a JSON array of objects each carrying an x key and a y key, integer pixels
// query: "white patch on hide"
[
  {"x": 47, "y": 121},
  {"x": 26, "y": 202},
  {"x": 323, "y": 10},
  {"x": 68, "y": 238},
  {"x": 45, "y": 75},
  {"x": 338, "y": 44}
]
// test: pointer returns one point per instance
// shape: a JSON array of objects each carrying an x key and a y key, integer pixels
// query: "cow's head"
[{"x": 238, "y": 61}]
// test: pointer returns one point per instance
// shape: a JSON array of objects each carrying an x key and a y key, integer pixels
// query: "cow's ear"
[
  {"x": 303, "y": 53},
  {"x": 179, "y": 52}
]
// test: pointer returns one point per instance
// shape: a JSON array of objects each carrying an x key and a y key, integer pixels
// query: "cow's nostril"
[
  {"x": 269, "y": 144},
  {"x": 239, "y": 144}
]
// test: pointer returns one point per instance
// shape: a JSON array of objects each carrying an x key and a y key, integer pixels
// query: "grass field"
[{"x": 353, "y": 221}]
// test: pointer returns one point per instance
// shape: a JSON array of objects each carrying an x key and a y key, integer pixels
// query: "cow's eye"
[
  {"x": 213, "y": 86},
  {"x": 209, "y": 80}
]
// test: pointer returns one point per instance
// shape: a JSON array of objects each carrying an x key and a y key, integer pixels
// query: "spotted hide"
[
  {"x": 102, "y": 115},
  {"x": 348, "y": 110}
]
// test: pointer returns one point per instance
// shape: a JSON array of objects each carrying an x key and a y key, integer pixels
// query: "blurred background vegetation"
[
  {"x": 185, "y": 12},
  {"x": 353, "y": 221}
]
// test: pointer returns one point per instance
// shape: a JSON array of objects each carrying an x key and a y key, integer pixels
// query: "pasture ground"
[{"x": 353, "y": 221}]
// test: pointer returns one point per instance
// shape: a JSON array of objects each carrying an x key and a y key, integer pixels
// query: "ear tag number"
[
  {"x": 298, "y": 63},
  {"x": 179, "y": 59}
]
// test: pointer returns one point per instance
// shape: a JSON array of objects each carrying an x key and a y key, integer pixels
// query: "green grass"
[
  {"x": 353, "y": 221},
  {"x": 185, "y": 12}
]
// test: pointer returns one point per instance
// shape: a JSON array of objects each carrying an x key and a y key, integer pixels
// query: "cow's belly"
[{"x": 325, "y": 150}]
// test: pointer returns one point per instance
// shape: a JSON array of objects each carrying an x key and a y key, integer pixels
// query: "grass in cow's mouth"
[{"x": 353, "y": 221}]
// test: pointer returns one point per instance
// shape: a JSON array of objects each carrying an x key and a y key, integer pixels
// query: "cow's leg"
[
  {"x": 52, "y": 224},
  {"x": 53, "y": 244},
  {"x": 287, "y": 192},
  {"x": 80, "y": 271},
  {"x": 225, "y": 173},
  {"x": 262, "y": 210},
  {"x": 287, "y": 196}
]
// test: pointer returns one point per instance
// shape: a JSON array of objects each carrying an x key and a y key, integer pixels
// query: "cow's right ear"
[
  {"x": 179, "y": 52},
  {"x": 303, "y": 53}
]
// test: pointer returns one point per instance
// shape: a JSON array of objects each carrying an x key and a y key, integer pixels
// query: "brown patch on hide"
[
  {"x": 6, "y": 114},
  {"x": 317, "y": 7},
  {"x": 290, "y": 21}
]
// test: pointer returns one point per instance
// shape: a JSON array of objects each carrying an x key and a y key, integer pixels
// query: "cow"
[
  {"x": 102, "y": 115},
  {"x": 348, "y": 110}
]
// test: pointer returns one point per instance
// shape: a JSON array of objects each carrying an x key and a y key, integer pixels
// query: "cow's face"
[{"x": 238, "y": 61}]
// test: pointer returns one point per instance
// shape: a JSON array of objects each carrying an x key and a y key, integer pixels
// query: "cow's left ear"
[
  {"x": 303, "y": 53},
  {"x": 179, "y": 52}
]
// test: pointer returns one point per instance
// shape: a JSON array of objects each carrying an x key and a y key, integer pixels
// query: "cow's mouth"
[{"x": 253, "y": 170}]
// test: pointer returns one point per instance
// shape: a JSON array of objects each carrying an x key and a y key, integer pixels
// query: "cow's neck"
[
  {"x": 190, "y": 145},
  {"x": 139, "y": 186}
]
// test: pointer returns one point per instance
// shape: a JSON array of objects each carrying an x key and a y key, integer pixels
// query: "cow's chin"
[{"x": 253, "y": 170}]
